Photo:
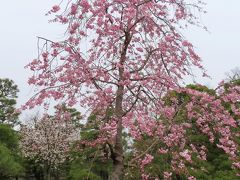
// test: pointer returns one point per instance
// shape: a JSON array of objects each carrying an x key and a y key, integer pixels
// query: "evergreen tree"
[
  {"x": 8, "y": 95},
  {"x": 10, "y": 160}
]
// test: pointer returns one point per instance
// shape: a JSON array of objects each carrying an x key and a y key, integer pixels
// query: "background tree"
[
  {"x": 72, "y": 114},
  {"x": 90, "y": 162},
  {"x": 8, "y": 95},
  {"x": 10, "y": 158},
  {"x": 47, "y": 142},
  {"x": 209, "y": 163},
  {"x": 127, "y": 55},
  {"x": 233, "y": 75}
]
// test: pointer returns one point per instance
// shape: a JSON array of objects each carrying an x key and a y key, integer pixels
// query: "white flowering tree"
[{"x": 47, "y": 141}]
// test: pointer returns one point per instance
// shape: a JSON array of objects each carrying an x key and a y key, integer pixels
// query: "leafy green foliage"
[
  {"x": 8, "y": 95},
  {"x": 90, "y": 163},
  {"x": 84, "y": 168},
  {"x": 8, "y": 164},
  {"x": 201, "y": 88},
  {"x": 73, "y": 114},
  {"x": 8, "y": 137},
  {"x": 10, "y": 161}
]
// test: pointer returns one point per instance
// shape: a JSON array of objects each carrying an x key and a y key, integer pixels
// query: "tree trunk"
[
  {"x": 47, "y": 173},
  {"x": 117, "y": 155}
]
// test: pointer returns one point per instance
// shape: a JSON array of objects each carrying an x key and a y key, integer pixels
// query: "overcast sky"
[{"x": 23, "y": 20}]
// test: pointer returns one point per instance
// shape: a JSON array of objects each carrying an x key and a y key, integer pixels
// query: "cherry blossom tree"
[
  {"x": 190, "y": 137},
  {"x": 125, "y": 55},
  {"x": 47, "y": 141}
]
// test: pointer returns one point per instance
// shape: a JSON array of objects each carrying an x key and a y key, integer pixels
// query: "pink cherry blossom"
[
  {"x": 55, "y": 8},
  {"x": 127, "y": 55}
]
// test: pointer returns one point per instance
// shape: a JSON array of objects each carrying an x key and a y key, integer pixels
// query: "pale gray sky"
[{"x": 22, "y": 21}]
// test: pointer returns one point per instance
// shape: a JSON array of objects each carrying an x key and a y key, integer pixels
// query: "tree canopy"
[
  {"x": 8, "y": 95},
  {"x": 119, "y": 59},
  {"x": 10, "y": 161}
]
